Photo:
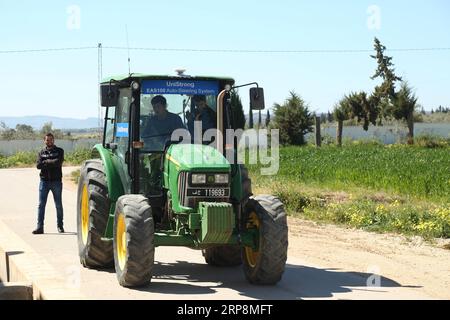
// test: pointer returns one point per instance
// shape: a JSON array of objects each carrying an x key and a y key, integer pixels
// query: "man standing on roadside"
[{"x": 49, "y": 161}]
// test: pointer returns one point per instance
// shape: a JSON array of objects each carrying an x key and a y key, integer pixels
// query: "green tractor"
[{"x": 144, "y": 189}]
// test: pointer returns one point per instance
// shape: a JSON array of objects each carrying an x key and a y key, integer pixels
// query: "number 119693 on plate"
[{"x": 209, "y": 192}]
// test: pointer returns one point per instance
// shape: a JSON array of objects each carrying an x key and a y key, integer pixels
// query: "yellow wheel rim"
[
  {"x": 121, "y": 241},
  {"x": 251, "y": 255},
  {"x": 84, "y": 215}
]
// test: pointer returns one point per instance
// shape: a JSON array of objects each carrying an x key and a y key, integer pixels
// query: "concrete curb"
[
  {"x": 16, "y": 291},
  {"x": 20, "y": 263}
]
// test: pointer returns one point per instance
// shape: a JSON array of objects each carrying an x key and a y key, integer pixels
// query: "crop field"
[
  {"x": 384, "y": 188},
  {"x": 419, "y": 172},
  {"x": 28, "y": 158}
]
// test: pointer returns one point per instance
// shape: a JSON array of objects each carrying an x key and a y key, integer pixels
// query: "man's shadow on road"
[{"x": 298, "y": 281}]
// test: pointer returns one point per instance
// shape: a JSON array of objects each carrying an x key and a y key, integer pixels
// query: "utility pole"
[
  {"x": 100, "y": 71},
  {"x": 318, "y": 135}
]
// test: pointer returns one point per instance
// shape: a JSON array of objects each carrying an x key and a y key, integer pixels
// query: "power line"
[
  {"x": 274, "y": 51},
  {"x": 46, "y": 50},
  {"x": 255, "y": 51},
  {"x": 100, "y": 75}
]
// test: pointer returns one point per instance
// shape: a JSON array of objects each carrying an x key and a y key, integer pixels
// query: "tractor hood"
[{"x": 197, "y": 157}]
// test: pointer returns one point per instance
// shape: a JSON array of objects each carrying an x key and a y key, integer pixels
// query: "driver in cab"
[{"x": 162, "y": 123}]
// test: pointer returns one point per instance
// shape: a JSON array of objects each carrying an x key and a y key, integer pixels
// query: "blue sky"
[{"x": 65, "y": 83}]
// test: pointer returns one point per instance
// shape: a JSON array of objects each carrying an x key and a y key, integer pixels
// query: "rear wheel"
[
  {"x": 223, "y": 256},
  {"x": 264, "y": 264},
  {"x": 93, "y": 207},
  {"x": 134, "y": 249}
]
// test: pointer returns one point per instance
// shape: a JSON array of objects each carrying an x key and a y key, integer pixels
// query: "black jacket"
[{"x": 50, "y": 162}]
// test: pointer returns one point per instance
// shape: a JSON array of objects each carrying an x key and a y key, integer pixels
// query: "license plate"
[{"x": 209, "y": 193}]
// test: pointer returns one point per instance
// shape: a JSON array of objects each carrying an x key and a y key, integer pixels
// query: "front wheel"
[
  {"x": 133, "y": 243},
  {"x": 265, "y": 262}
]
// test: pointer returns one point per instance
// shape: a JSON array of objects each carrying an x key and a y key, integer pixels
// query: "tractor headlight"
[
  {"x": 198, "y": 178},
  {"x": 221, "y": 178}
]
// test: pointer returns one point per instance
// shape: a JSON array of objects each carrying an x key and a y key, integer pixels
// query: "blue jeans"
[{"x": 44, "y": 188}]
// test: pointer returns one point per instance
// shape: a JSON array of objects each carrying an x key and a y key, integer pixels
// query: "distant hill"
[{"x": 58, "y": 123}]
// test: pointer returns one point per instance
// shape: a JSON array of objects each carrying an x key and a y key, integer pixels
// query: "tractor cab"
[{"x": 143, "y": 112}]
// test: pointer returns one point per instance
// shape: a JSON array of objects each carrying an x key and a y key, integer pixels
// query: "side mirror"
[
  {"x": 110, "y": 95},
  {"x": 257, "y": 98}
]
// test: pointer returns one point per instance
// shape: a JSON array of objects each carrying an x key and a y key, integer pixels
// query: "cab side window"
[{"x": 109, "y": 133}]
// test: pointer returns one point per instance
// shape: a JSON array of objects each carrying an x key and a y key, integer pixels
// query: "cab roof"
[{"x": 143, "y": 76}]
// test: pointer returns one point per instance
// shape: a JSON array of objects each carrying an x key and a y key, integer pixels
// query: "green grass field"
[
  {"x": 27, "y": 159},
  {"x": 414, "y": 171},
  {"x": 384, "y": 188}
]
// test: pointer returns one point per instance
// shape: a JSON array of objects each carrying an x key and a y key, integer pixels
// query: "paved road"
[{"x": 180, "y": 273}]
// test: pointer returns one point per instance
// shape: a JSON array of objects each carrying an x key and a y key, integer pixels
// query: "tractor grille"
[
  {"x": 182, "y": 187},
  {"x": 192, "y": 201}
]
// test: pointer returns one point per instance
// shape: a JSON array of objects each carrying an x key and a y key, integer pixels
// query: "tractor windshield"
[{"x": 167, "y": 105}]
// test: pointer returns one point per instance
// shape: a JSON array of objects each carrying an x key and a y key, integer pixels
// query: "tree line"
[
  {"x": 392, "y": 99},
  {"x": 440, "y": 109},
  {"x": 24, "y": 132}
]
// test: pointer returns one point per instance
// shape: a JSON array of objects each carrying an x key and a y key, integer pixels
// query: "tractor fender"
[{"x": 115, "y": 187}]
